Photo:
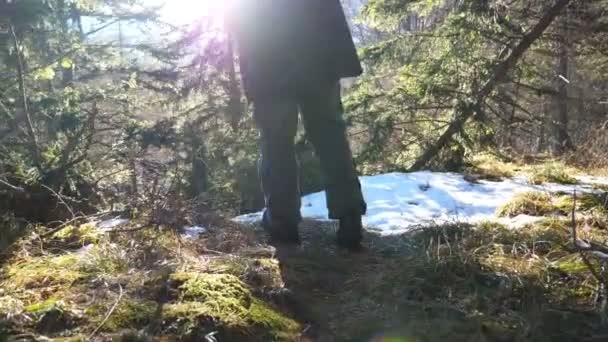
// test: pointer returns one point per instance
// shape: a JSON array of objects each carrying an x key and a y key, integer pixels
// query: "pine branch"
[{"x": 468, "y": 108}]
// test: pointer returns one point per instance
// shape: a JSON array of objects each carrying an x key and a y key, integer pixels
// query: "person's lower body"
[{"x": 277, "y": 119}]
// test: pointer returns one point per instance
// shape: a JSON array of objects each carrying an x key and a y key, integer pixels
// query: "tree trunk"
[
  {"x": 199, "y": 182},
  {"x": 560, "y": 140},
  {"x": 542, "y": 134}
]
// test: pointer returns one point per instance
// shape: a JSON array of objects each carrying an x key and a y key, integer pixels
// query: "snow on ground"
[
  {"x": 193, "y": 232},
  {"x": 400, "y": 201},
  {"x": 111, "y": 223}
]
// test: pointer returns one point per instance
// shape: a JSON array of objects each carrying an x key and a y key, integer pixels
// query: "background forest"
[
  {"x": 110, "y": 107},
  {"x": 95, "y": 117}
]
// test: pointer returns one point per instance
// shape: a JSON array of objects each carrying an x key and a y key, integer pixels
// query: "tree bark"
[
  {"x": 560, "y": 139},
  {"x": 199, "y": 178},
  {"x": 33, "y": 140},
  {"x": 467, "y": 108}
]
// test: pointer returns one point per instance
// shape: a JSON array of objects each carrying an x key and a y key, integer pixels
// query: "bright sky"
[
  {"x": 187, "y": 11},
  {"x": 176, "y": 12}
]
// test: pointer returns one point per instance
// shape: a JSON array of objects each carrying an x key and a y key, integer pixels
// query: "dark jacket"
[{"x": 282, "y": 42}]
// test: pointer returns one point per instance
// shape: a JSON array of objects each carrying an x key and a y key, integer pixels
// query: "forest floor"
[{"x": 449, "y": 282}]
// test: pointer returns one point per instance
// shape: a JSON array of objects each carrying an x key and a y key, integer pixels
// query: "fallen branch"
[
  {"x": 75, "y": 219},
  {"x": 11, "y": 186},
  {"x": 130, "y": 230},
  {"x": 108, "y": 314}
]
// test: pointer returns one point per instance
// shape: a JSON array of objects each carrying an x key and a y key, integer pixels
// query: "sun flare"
[{"x": 187, "y": 11}]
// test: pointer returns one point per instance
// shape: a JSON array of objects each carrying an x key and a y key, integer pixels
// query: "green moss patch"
[
  {"x": 227, "y": 302},
  {"x": 223, "y": 296},
  {"x": 260, "y": 272},
  {"x": 43, "y": 306},
  {"x": 79, "y": 235},
  {"x": 129, "y": 313},
  {"x": 43, "y": 271},
  {"x": 276, "y": 324}
]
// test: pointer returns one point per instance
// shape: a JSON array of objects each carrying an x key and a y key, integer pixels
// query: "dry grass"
[
  {"x": 542, "y": 170},
  {"x": 489, "y": 167},
  {"x": 529, "y": 203},
  {"x": 552, "y": 172},
  {"x": 592, "y": 206}
]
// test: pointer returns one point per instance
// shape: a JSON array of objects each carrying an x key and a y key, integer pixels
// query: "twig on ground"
[
  {"x": 105, "y": 319},
  {"x": 131, "y": 230},
  {"x": 75, "y": 219}
]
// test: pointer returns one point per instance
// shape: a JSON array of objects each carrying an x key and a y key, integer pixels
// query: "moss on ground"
[
  {"x": 279, "y": 326},
  {"x": 116, "y": 285},
  {"x": 454, "y": 282},
  {"x": 222, "y": 296},
  {"x": 79, "y": 235},
  {"x": 129, "y": 313},
  {"x": 227, "y": 301},
  {"x": 261, "y": 272},
  {"x": 44, "y": 271}
]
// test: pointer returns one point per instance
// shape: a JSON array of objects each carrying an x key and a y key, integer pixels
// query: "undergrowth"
[
  {"x": 447, "y": 283},
  {"x": 106, "y": 285}
]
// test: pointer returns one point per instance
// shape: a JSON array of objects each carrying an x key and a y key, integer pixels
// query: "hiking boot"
[
  {"x": 350, "y": 233},
  {"x": 281, "y": 231}
]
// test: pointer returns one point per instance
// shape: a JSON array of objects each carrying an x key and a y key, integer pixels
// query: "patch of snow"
[
  {"x": 399, "y": 201},
  {"x": 112, "y": 223},
  {"x": 193, "y": 232},
  {"x": 519, "y": 221},
  {"x": 593, "y": 180},
  {"x": 84, "y": 250},
  {"x": 249, "y": 218}
]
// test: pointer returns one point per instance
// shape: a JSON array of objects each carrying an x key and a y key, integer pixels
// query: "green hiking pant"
[{"x": 277, "y": 120}]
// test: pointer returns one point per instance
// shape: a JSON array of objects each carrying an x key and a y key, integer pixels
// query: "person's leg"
[
  {"x": 322, "y": 113},
  {"x": 277, "y": 118}
]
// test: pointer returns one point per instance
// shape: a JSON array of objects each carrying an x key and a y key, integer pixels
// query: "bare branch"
[
  {"x": 110, "y": 312},
  {"x": 10, "y": 186},
  {"x": 60, "y": 198}
]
